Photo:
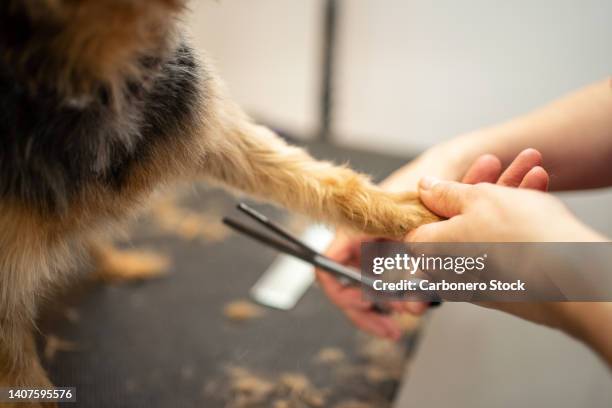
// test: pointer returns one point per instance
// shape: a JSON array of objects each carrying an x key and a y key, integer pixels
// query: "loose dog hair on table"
[{"x": 101, "y": 103}]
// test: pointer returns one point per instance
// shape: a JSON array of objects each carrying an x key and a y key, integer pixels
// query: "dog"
[{"x": 103, "y": 102}]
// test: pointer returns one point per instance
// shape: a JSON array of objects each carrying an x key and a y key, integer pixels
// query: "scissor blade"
[
  {"x": 314, "y": 258},
  {"x": 265, "y": 239},
  {"x": 266, "y": 222}
]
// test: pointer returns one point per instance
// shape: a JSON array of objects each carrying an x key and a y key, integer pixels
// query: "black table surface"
[{"x": 162, "y": 342}]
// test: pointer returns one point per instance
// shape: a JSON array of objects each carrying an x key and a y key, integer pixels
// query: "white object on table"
[{"x": 285, "y": 282}]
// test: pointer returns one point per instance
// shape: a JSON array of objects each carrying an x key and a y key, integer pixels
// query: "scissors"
[{"x": 291, "y": 245}]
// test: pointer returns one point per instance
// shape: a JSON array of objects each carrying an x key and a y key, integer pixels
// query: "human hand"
[
  {"x": 524, "y": 171},
  {"x": 493, "y": 213},
  {"x": 448, "y": 163}
]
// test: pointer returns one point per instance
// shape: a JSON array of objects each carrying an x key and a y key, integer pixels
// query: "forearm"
[
  {"x": 590, "y": 322},
  {"x": 574, "y": 135}
]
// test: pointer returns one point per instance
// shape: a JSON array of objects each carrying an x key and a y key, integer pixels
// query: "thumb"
[{"x": 445, "y": 198}]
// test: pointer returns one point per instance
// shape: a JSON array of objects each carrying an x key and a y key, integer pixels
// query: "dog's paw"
[
  {"x": 412, "y": 214},
  {"x": 384, "y": 214}
]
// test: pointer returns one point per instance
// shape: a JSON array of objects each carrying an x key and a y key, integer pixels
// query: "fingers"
[
  {"x": 359, "y": 310},
  {"x": 340, "y": 295},
  {"x": 520, "y": 166},
  {"x": 416, "y": 308},
  {"x": 523, "y": 172},
  {"x": 413, "y": 307},
  {"x": 536, "y": 179},
  {"x": 376, "y": 324},
  {"x": 445, "y": 198},
  {"x": 486, "y": 169},
  {"x": 346, "y": 249},
  {"x": 448, "y": 199}
]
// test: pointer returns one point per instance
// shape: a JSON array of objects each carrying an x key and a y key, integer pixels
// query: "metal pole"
[{"x": 327, "y": 78}]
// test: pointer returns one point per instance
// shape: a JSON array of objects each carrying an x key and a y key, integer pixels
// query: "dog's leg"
[
  {"x": 262, "y": 165},
  {"x": 19, "y": 363},
  {"x": 112, "y": 264},
  {"x": 254, "y": 160}
]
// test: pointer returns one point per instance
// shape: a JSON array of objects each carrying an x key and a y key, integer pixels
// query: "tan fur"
[
  {"x": 115, "y": 266},
  {"x": 27, "y": 373},
  {"x": 252, "y": 159},
  {"x": 223, "y": 146}
]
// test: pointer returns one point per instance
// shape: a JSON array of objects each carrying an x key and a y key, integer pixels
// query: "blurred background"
[{"x": 407, "y": 73}]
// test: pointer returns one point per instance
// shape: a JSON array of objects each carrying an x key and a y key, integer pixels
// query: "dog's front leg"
[
  {"x": 19, "y": 363},
  {"x": 253, "y": 159}
]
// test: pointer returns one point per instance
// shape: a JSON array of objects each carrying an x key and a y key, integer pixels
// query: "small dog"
[{"x": 101, "y": 103}]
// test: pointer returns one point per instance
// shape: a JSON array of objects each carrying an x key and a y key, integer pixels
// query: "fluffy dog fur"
[{"x": 101, "y": 103}]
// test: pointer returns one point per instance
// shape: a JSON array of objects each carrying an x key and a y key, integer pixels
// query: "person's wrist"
[
  {"x": 572, "y": 230},
  {"x": 589, "y": 322}
]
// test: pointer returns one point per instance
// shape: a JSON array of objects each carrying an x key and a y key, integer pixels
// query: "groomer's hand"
[
  {"x": 524, "y": 171},
  {"x": 492, "y": 213}
]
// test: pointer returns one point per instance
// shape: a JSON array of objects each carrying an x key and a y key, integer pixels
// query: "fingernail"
[{"x": 428, "y": 182}]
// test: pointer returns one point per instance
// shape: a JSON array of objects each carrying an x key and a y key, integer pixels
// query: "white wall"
[
  {"x": 418, "y": 72},
  {"x": 267, "y": 51},
  {"x": 412, "y": 72}
]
